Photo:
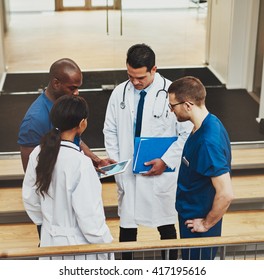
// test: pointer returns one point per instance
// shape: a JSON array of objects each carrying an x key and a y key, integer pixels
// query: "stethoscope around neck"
[{"x": 159, "y": 94}]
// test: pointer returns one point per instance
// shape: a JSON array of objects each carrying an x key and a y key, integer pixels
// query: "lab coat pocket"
[
  {"x": 120, "y": 191},
  {"x": 165, "y": 196},
  {"x": 166, "y": 183}
]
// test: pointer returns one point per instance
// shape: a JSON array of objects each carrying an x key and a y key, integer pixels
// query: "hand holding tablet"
[{"x": 113, "y": 169}]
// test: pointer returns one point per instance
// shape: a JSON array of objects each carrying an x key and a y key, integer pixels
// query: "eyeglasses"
[{"x": 171, "y": 106}]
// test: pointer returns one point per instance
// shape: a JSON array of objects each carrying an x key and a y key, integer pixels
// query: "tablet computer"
[{"x": 114, "y": 168}]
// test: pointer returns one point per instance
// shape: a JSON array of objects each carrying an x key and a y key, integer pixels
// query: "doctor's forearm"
[{"x": 172, "y": 157}]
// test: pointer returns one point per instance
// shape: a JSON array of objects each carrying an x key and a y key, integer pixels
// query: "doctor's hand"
[{"x": 158, "y": 167}]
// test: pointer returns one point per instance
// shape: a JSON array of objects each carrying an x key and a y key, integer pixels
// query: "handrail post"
[
  {"x": 222, "y": 252},
  {"x": 121, "y": 18},
  {"x": 107, "y": 18},
  {"x": 167, "y": 254}
]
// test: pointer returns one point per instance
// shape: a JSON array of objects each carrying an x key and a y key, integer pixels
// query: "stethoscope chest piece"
[{"x": 122, "y": 105}]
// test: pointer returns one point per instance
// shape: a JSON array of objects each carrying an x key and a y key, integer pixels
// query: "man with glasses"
[
  {"x": 144, "y": 199},
  {"x": 204, "y": 190}
]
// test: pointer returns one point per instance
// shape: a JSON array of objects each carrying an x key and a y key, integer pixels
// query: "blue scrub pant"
[{"x": 199, "y": 253}]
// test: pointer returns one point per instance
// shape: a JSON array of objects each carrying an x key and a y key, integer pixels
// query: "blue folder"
[{"x": 148, "y": 148}]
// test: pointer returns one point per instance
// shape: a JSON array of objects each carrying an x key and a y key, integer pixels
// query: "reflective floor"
[{"x": 36, "y": 39}]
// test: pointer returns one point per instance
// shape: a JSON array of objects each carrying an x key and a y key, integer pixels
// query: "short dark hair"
[
  {"x": 188, "y": 88},
  {"x": 141, "y": 55},
  {"x": 61, "y": 68}
]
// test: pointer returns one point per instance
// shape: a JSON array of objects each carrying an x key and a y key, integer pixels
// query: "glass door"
[
  {"x": 100, "y": 37},
  {"x": 66, "y": 5}
]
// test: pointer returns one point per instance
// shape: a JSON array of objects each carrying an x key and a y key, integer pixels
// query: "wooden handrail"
[
  {"x": 11, "y": 166},
  {"x": 130, "y": 246}
]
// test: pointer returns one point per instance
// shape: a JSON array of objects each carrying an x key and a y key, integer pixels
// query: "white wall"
[
  {"x": 219, "y": 29},
  {"x": 261, "y": 105},
  {"x": 2, "y": 56},
  {"x": 232, "y": 41}
]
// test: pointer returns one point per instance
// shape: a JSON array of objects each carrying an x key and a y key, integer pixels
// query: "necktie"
[{"x": 139, "y": 113}]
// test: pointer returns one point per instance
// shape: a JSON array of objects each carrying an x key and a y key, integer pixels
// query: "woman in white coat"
[
  {"x": 147, "y": 199},
  {"x": 61, "y": 189}
]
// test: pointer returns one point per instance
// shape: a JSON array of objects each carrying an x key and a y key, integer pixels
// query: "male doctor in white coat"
[{"x": 147, "y": 199}]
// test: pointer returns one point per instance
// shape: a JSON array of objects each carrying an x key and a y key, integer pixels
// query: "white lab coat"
[
  {"x": 148, "y": 201},
  {"x": 73, "y": 212}
]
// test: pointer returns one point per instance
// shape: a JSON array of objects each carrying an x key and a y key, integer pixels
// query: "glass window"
[
  {"x": 73, "y": 3},
  {"x": 102, "y": 3}
]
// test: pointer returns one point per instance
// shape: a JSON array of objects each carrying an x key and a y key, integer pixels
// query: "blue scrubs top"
[
  {"x": 206, "y": 154},
  {"x": 36, "y": 122}
]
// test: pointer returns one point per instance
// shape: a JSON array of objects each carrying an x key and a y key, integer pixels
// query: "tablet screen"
[{"x": 114, "y": 169}]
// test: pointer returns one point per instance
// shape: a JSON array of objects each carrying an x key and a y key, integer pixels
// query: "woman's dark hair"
[
  {"x": 141, "y": 55},
  {"x": 66, "y": 113}
]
